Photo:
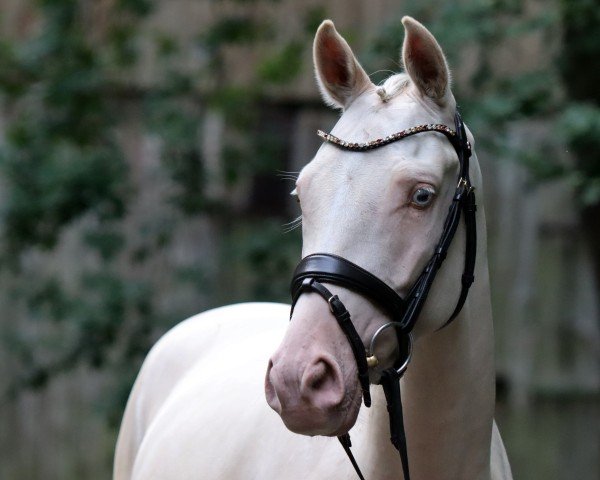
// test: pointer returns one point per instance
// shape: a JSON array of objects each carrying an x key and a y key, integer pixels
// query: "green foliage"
[
  {"x": 139, "y": 8},
  {"x": 235, "y": 29},
  {"x": 581, "y": 125},
  {"x": 581, "y": 20},
  {"x": 176, "y": 121},
  {"x": 580, "y": 122},
  {"x": 62, "y": 164},
  {"x": 284, "y": 66},
  {"x": 580, "y": 128},
  {"x": 312, "y": 19},
  {"x": 260, "y": 246},
  {"x": 65, "y": 172},
  {"x": 60, "y": 161},
  {"x": 52, "y": 185},
  {"x": 90, "y": 319}
]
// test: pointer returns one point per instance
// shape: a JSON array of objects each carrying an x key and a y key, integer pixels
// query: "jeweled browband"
[{"x": 380, "y": 142}]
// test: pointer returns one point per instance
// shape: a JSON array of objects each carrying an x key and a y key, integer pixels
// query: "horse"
[{"x": 379, "y": 206}]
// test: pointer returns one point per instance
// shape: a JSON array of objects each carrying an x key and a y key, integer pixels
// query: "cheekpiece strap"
[{"x": 341, "y": 314}]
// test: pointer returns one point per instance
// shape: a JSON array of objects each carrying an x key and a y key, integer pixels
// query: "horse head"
[{"x": 384, "y": 210}]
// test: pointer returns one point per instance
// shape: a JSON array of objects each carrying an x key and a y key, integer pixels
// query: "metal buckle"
[
  {"x": 469, "y": 148},
  {"x": 463, "y": 187},
  {"x": 330, "y": 301}
]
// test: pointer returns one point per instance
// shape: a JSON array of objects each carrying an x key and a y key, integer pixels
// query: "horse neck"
[{"x": 448, "y": 395}]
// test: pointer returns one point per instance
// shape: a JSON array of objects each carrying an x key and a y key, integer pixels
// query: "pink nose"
[{"x": 307, "y": 400}]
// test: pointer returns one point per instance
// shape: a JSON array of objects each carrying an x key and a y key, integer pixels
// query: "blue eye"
[{"x": 422, "y": 197}]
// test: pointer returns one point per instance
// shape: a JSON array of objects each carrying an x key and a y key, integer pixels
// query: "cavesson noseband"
[{"x": 319, "y": 268}]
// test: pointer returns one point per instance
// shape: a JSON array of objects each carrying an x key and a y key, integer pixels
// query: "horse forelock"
[{"x": 393, "y": 86}]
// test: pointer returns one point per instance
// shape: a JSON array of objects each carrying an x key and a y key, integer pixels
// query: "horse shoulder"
[{"x": 174, "y": 364}]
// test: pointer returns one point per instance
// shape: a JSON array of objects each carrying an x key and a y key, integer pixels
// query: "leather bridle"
[{"x": 319, "y": 268}]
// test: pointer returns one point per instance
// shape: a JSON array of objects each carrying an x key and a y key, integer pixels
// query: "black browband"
[{"x": 319, "y": 268}]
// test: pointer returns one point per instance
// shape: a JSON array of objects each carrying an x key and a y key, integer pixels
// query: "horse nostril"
[
  {"x": 318, "y": 375},
  {"x": 322, "y": 383}
]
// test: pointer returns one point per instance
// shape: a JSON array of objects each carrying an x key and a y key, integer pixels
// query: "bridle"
[{"x": 316, "y": 269}]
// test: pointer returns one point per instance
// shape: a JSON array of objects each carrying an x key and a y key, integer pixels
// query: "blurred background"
[{"x": 147, "y": 149}]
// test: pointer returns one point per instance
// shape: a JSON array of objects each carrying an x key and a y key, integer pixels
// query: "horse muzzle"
[{"x": 310, "y": 397}]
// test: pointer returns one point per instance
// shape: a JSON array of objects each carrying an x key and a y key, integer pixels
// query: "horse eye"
[{"x": 422, "y": 197}]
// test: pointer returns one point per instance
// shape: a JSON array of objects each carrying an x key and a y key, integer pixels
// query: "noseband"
[{"x": 319, "y": 268}]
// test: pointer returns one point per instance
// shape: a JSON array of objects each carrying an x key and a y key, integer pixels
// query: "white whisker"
[
  {"x": 292, "y": 176},
  {"x": 382, "y": 71},
  {"x": 295, "y": 223}
]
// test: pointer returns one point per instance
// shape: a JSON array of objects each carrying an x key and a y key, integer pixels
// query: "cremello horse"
[{"x": 198, "y": 410}]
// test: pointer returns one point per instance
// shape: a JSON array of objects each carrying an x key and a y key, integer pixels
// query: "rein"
[{"x": 319, "y": 268}]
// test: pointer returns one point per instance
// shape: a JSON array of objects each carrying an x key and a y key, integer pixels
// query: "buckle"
[
  {"x": 330, "y": 301},
  {"x": 463, "y": 187}
]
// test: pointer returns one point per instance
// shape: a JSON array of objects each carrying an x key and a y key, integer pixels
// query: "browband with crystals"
[{"x": 380, "y": 142}]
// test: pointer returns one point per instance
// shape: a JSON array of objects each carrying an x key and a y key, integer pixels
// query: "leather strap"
[
  {"x": 329, "y": 268},
  {"x": 467, "y": 278},
  {"x": 346, "y": 443},
  {"x": 469, "y": 209},
  {"x": 390, "y": 381},
  {"x": 463, "y": 200}
]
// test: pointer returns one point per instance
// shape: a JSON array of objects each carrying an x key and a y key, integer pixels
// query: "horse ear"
[
  {"x": 339, "y": 75},
  {"x": 424, "y": 61}
]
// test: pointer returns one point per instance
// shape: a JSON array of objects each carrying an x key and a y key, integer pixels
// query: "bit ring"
[{"x": 372, "y": 360}]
